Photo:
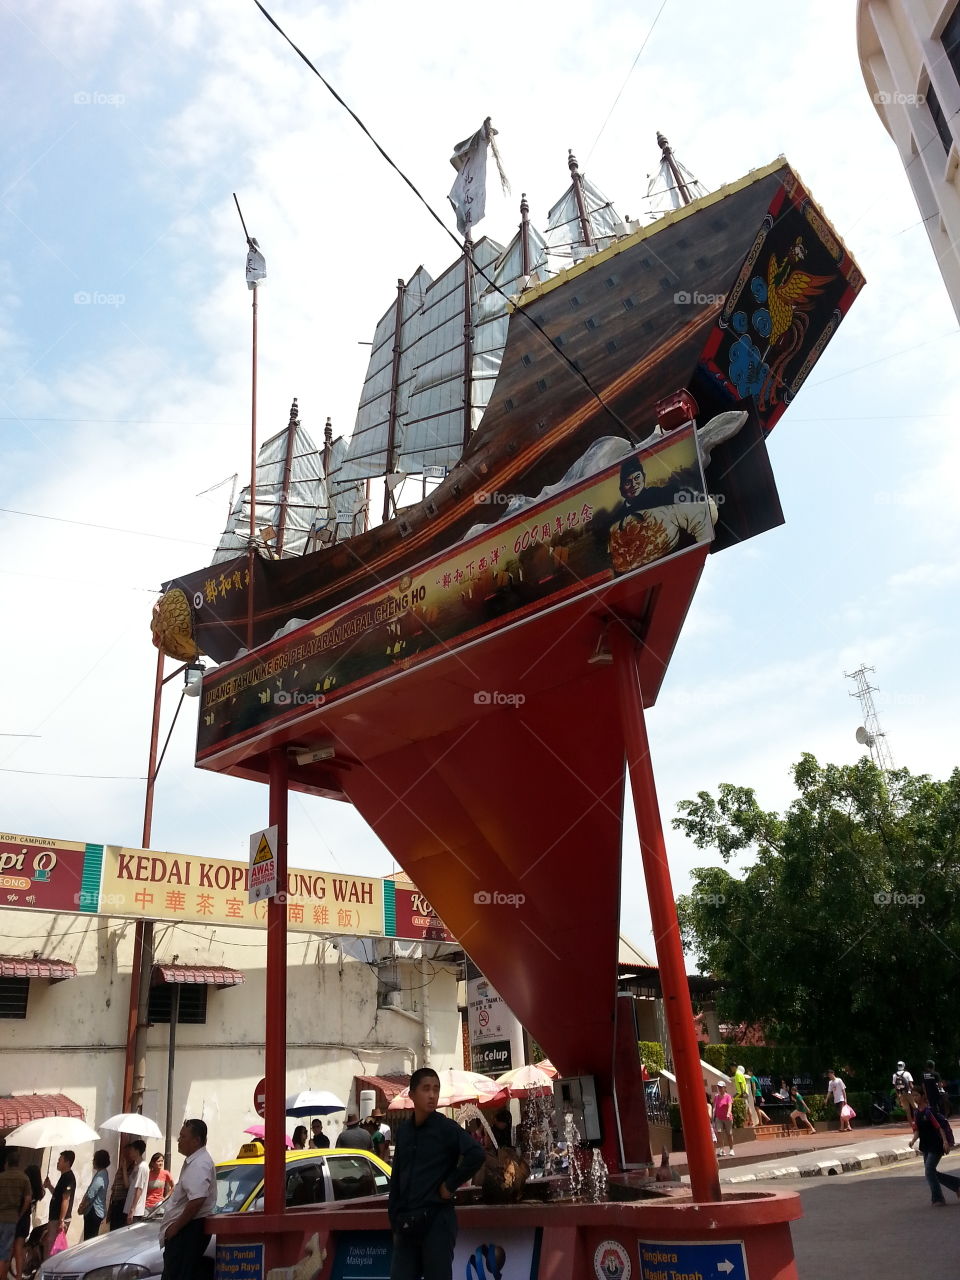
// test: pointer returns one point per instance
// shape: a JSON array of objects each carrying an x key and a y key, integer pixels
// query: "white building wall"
[
  {"x": 73, "y": 1040},
  {"x": 902, "y": 58}
]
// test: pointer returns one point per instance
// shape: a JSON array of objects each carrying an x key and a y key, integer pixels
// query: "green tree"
[{"x": 843, "y": 933}]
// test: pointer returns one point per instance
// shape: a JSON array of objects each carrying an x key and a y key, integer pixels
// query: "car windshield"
[{"x": 235, "y": 1183}]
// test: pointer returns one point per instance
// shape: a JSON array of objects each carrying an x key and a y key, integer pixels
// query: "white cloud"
[{"x": 216, "y": 103}]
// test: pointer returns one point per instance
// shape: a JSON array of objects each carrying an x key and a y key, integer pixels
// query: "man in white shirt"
[
  {"x": 135, "y": 1205},
  {"x": 838, "y": 1096},
  {"x": 903, "y": 1089},
  {"x": 182, "y": 1236}
]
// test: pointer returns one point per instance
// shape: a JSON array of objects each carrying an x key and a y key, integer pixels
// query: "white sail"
[
  {"x": 433, "y": 424},
  {"x": 306, "y": 495},
  {"x": 663, "y": 193},
  {"x": 366, "y": 453},
  {"x": 564, "y": 234},
  {"x": 346, "y": 512},
  {"x": 490, "y": 332}
]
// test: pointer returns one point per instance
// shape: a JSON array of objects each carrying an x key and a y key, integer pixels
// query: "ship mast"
[
  {"x": 674, "y": 168},
  {"x": 524, "y": 235},
  {"x": 578, "y": 196},
  {"x": 468, "y": 273},
  {"x": 392, "y": 414},
  {"x": 285, "y": 485}
]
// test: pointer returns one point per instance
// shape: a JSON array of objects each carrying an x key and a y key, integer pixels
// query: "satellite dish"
[{"x": 865, "y": 739}]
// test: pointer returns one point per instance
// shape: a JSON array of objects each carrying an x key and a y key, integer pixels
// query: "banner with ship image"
[{"x": 639, "y": 510}]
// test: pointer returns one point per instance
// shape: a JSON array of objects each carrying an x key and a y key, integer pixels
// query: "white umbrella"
[
  {"x": 132, "y": 1122},
  {"x": 526, "y": 1082},
  {"x": 52, "y": 1131},
  {"x": 313, "y": 1102},
  {"x": 455, "y": 1087}
]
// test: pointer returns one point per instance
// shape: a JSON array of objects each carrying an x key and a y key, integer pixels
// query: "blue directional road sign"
[{"x": 693, "y": 1260}]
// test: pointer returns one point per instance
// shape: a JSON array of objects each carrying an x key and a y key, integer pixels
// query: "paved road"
[{"x": 878, "y": 1225}]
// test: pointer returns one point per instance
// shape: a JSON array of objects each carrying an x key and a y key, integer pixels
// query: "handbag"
[{"x": 59, "y": 1244}]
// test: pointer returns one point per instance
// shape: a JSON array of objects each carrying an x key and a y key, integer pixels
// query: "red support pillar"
[
  {"x": 701, "y": 1157},
  {"x": 276, "y": 1013}
]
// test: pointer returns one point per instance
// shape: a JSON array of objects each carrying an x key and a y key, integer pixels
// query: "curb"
[{"x": 827, "y": 1168}]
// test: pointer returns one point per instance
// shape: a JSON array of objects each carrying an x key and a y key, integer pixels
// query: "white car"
[{"x": 313, "y": 1177}]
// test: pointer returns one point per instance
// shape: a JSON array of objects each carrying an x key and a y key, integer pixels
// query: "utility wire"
[
  {"x": 461, "y": 248},
  {"x": 108, "y": 528},
  {"x": 108, "y": 777},
  {"x": 626, "y": 78}
]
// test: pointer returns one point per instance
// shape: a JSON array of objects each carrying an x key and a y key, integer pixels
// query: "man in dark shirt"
[
  {"x": 61, "y": 1199},
  {"x": 936, "y": 1096},
  {"x": 432, "y": 1157},
  {"x": 319, "y": 1139},
  {"x": 354, "y": 1135}
]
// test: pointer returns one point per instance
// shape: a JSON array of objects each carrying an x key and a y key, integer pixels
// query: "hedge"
[
  {"x": 776, "y": 1061},
  {"x": 652, "y": 1055}
]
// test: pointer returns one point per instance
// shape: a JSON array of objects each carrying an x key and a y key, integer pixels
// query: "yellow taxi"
[{"x": 314, "y": 1176}]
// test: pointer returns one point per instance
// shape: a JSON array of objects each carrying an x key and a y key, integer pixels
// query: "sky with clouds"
[{"x": 131, "y": 126}]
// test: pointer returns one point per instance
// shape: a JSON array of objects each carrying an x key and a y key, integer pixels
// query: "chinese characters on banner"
[
  {"x": 172, "y": 886},
  {"x": 554, "y": 551},
  {"x": 111, "y": 880}
]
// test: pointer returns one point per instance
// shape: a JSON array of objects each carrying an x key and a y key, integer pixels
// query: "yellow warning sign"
[
  {"x": 262, "y": 876},
  {"x": 264, "y": 852}
]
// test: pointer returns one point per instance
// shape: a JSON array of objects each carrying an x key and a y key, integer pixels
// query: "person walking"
[
  {"x": 754, "y": 1084},
  {"x": 15, "y": 1195},
  {"x": 354, "y": 1135},
  {"x": 801, "y": 1112},
  {"x": 432, "y": 1157},
  {"x": 931, "y": 1082},
  {"x": 934, "y": 1140},
  {"x": 300, "y": 1138},
  {"x": 319, "y": 1139},
  {"x": 723, "y": 1118},
  {"x": 159, "y": 1181},
  {"x": 93, "y": 1204},
  {"x": 182, "y": 1236},
  {"x": 838, "y": 1096},
  {"x": 742, "y": 1090},
  {"x": 382, "y": 1149},
  {"x": 903, "y": 1089}
]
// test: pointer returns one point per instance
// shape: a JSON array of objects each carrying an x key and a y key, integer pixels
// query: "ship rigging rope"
[
  {"x": 625, "y": 79},
  {"x": 461, "y": 247}
]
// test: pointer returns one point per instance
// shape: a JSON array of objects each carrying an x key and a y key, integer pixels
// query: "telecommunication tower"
[{"x": 869, "y": 734}]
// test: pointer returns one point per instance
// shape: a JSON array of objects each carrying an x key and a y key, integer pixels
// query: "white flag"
[
  {"x": 256, "y": 266},
  {"x": 468, "y": 195}
]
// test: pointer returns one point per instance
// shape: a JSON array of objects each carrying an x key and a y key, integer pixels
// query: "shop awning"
[
  {"x": 196, "y": 975},
  {"x": 36, "y": 1106},
  {"x": 387, "y": 1087},
  {"x": 37, "y": 967}
]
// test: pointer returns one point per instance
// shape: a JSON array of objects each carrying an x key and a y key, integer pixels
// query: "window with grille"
[
  {"x": 939, "y": 119},
  {"x": 950, "y": 39},
  {"x": 193, "y": 1004},
  {"x": 13, "y": 997}
]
